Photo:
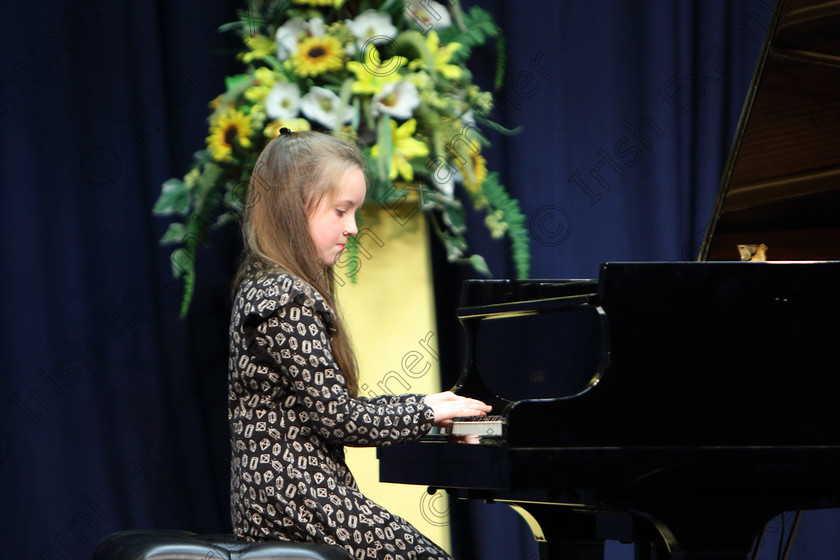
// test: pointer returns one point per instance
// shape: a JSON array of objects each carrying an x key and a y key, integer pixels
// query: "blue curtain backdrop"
[{"x": 113, "y": 409}]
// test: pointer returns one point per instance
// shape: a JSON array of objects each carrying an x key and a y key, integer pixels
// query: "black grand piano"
[{"x": 677, "y": 405}]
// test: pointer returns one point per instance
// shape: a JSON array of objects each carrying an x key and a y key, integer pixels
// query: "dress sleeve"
[
  {"x": 393, "y": 399},
  {"x": 293, "y": 343}
]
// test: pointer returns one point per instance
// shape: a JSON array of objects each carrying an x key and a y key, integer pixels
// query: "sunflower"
[
  {"x": 229, "y": 126},
  {"x": 475, "y": 173},
  {"x": 316, "y": 55}
]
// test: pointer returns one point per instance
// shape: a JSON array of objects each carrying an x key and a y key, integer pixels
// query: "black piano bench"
[{"x": 183, "y": 545}]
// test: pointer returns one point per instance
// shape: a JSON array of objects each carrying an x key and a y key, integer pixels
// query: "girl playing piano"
[{"x": 293, "y": 401}]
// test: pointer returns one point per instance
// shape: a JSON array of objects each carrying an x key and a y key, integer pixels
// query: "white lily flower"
[
  {"x": 468, "y": 118},
  {"x": 289, "y": 34},
  {"x": 317, "y": 27},
  {"x": 445, "y": 185},
  {"x": 443, "y": 175},
  {"x": 427, "y": 14},
  {"x": 283, "y": 101},
  {"x": 398, "y": 99},
  {"x": 371, "y": 26},
  {"x": 287, "y": 37},
  {"x": 323, "y": 106}
]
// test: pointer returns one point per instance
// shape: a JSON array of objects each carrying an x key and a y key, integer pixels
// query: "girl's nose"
[{"x": 351, "y": 229}]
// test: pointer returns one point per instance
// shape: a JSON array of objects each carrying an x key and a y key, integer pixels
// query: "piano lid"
[{"x": 781, "y": 184}]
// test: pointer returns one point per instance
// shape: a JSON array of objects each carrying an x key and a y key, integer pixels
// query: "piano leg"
[
  {"x": 569, "y": 533},
  {"x": 562, "y": 533},
  {"x": 710, "y": 530}
]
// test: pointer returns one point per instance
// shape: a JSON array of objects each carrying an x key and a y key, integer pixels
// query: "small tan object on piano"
[
  {"x": 753, "y": 253},
  {"x": 483, "y": 426}
]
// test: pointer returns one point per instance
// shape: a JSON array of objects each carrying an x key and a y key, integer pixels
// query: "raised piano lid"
[{"x": 781, "y": 183}]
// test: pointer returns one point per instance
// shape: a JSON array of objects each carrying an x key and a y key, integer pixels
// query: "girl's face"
[{"x": 333, "y": 221}]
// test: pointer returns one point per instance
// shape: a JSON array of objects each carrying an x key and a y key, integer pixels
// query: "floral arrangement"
[{"x": 389, "y": 72}]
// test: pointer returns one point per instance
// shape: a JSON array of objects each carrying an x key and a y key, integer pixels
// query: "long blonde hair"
[{"x": 291, "y": 177}]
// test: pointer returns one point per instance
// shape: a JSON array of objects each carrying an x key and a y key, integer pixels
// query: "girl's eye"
[{"x": 341, "y": 212}]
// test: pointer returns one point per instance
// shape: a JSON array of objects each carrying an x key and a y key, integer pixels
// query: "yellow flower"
[
  {"x": 371, "y": 77},
  {"x": 229, "y": 127},
  {"x": 403, "y": 149},
  {"x": 481, "y": 99},
  {"x": 259, "y": 47},
  {"x": 264, "y": 79},
  {"x": 272, "y": 129},
  {"x": 421, "y": 80},
  {"x": 496, "y": 224},
  {"x": 316, "y": 55},
  {"x": 475, "y": 171},
  {"x": 441, "y": 56}
]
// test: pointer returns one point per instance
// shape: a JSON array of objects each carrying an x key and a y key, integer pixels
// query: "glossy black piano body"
[
  {"x": 680, "y": 405},
  {"x": 701, "y": 402}
]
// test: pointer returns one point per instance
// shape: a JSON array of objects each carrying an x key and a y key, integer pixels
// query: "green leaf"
[
  {"x": 501, "y": 62},
  {"x": 343, "y": 101},
  {"x": 182, "y": 262},
  {"x": 479, "y": 117},
  {"x": 455, "y": 218},
  {"x": 383, "y": 140},
  {"x": 174, "y": 233},
  {"x": 357, "y": 114},
  {"x": 183, "y": 259},
  {"x": 480, "y": 265},
  {"x": 226, "y": 218},
  {"x": 189, "y": 289},
  {"x": 239, "y": 81},
  {"x": 352, "y": 250},
  {"x": 517, "y": 232},
  {"x": 202, "y": 157},
  {"x": 234, "y": 197},
  {"x": 455, "y": 247},
  {"x": 478, "y": 27},
  {"x": 275, "y": 63},
  {"x": 224, "y": 28},
  {"x": 206, "y": 183},
  {"x": 367, "y": 112},
  {"x": 416, "y": 41},
  {"x": 174, "y": 199}
]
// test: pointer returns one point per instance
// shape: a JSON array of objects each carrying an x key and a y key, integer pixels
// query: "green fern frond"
[
  {"x": 478, "y": 27},
  {"x": 194, "y": 230},
  {"x": 516, "y": 230},
  {"x": 501, "y": 61}
]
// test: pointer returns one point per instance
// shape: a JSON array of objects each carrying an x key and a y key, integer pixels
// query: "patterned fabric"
[{"x": 290, "y": 418}]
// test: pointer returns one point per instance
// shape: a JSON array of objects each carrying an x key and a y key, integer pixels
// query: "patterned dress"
[{"x": 290, "y": 418}]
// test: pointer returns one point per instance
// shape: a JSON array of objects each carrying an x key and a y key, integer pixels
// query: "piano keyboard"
[{"x": 484, "y": 426}]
